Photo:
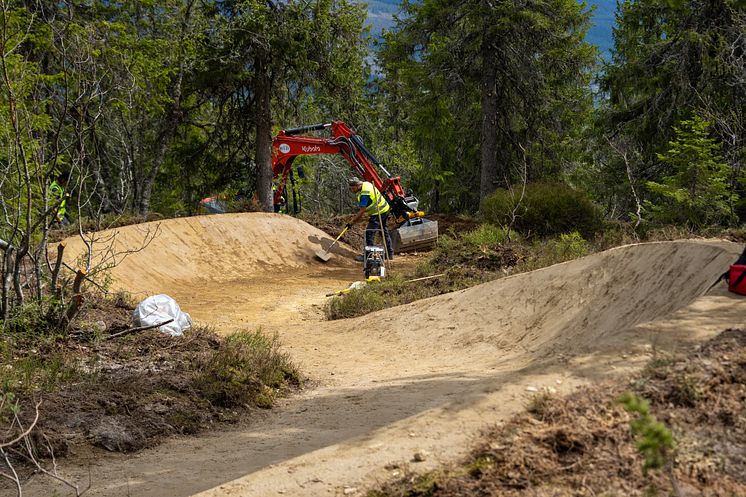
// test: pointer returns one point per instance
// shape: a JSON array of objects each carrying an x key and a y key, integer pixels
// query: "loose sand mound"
[
  {"x": 428, "y": 375},
  {"x": 152, "y": 257}
]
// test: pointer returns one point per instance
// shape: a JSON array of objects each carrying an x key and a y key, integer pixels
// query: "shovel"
[{"x": 324, "y": 255}]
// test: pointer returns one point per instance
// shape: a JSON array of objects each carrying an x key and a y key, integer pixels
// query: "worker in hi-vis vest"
[
  {"x": 57, "y": 196},
  {"x": 373, "y": 204}
]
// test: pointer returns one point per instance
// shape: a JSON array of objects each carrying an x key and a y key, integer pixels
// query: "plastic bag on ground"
[{"x": 159, "y": 309}]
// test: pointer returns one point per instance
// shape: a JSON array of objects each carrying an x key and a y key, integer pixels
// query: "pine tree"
[
  {"x": 696, "y": 192},
  {"x": 487, "y": 86}
]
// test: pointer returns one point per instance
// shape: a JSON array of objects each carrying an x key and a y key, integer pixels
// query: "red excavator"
[{"x": 414, "y": 231}]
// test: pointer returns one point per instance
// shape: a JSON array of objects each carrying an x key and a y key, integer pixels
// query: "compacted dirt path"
[{"x": 423, "y": 378}]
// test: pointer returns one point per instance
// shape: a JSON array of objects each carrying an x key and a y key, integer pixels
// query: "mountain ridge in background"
[{"x": 381, "y": 16}]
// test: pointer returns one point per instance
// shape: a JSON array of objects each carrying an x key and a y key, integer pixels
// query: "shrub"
[
  {"x": 487, "y": 235},
  {"x": 33, "y": 363},
  {"x": 551, "y": 251},
  {"x": 29, "y": 318},
  {"x": 546, "y": 209},
  {"x": 396, "y": 290},
  {"x": 361, "y": 301},
  {"x": 248, "y": 368},
  {"x": 485, "y": 248}
]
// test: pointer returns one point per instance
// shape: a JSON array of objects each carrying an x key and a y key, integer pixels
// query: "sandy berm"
[{"x": 421, "y": 378}]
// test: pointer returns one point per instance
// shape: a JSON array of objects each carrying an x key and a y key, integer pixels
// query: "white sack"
[{"x": 159, "y": 309}]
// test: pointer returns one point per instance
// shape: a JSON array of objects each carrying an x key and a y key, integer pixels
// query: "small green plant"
[
  {"x": 654, "y": 440},
  {"x": 486, "y": 248},
  {"x": 8, "y": 408},
  {"x": 356, "y": 303},
  {"x": 486, "y": 236},
  {"x": 539, "y": 404},
  {"x": 571, "y": 246},
  {"x": 32, "y": 363},
  {"x": 551, "y": 251},
  {"x": 186, "y": 422},
  {"x": 480, "y": 465},
  {"x": 29, "y": 318},
  {"x": 684, "y": 392}
]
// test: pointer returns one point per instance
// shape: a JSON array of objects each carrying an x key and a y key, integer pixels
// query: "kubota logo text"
[{"x": 307, "y": 149}]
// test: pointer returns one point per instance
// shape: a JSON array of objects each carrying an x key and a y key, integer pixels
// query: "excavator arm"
[{"x": 414, "y": 232}]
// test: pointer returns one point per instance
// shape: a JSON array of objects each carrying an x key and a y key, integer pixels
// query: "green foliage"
[
  {"x": 654, "y": 440},
  {"x": 545, "y": 209},
  {"x": 539, "y": 405},
  {"x": 8, "y": 407},
  {"x": 480, "y": 465},
  {"x": 570, "y": 246},
  {"x": 547, "y": 252},
  {"x": 485, "y": 248},
  {"x": 672, "y": 60},
  {"x": 487, "y": 235},
  {"x": 29, "y": 318},
  {"x": 32, "y": 362},
  {"x": 360, "y": 301},
  {"x": 396, "y": 289},
  {"x": 697, "y": 192},
  {"x": 435, "y": 64},
  {"x": 248, "y": 368},
  {"x": 462, "y": 261}
]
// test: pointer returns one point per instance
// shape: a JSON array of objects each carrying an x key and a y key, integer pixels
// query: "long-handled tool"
[{"x": 324, "y": 255}]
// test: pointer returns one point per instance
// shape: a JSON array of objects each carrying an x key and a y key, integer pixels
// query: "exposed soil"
[
  {"x": 582, "y": 445},
  {"x": 425, "y": 377},
  {"x": 142, "y": 391},
  {"x": 132, "y": 391}
]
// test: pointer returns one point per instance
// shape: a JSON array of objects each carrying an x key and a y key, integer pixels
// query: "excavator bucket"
[{"x": 415, "y": 234}]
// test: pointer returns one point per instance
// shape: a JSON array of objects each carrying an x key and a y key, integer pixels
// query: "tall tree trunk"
[
  {"x": 165, "y": 138},
  {"x": 7, "y": 279},
  {"x": 488, "y": 138},
  {"x": 263, "y": 123}
]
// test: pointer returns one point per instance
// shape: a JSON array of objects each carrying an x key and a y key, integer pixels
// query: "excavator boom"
[{"x": 415, "y": 232}]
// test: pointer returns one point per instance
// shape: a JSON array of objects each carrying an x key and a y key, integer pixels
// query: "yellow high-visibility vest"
[
  {"x": 378, "y": 203},
  {"x": 58, "y": 193}
]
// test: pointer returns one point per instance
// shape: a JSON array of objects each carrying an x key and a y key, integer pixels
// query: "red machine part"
[{"x": 287, "y": 146}]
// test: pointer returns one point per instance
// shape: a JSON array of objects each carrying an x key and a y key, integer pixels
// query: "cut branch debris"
[{"x": 135, "y": 330}]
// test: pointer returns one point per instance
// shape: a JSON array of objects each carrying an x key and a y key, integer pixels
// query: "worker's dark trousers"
[{"x": 375, "y": 227}]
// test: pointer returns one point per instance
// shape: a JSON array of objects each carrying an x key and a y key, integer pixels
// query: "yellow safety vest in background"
[
  {"x": 378, "y": 203},
  {"x": 57, "y": 194}
]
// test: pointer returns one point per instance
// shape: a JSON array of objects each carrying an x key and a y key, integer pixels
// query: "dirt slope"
[
  {"x": 152, "y": 257},
  {"x": 426, "y": 376}
]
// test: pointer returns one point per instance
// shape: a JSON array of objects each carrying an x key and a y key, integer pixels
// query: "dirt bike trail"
[{"x": 422, "y": 378}]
